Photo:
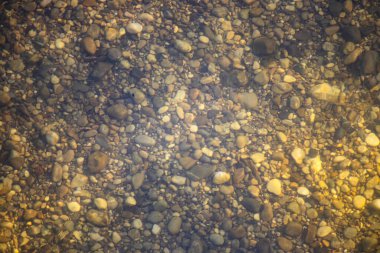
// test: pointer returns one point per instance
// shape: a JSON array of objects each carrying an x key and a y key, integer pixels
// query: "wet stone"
[
  {"x": 89, "y": 45},
  {"x": 73, "y": 207},
  {"x": 351, "y": 33},
  {"x": 199, "y": 172},
  {"x": 97, "y": 161},
  {"x": 30, "y": 214},
  {"x": 101, "y": 69},
  {"x": 118, "y": 111},
  {"x": 324, "y": 231},
  {"x": 155, "y": 217},
  {"x": 267, "y": 213},
  {"x": 369, "y": 62},
  {"x": 4, "y": 98},
  {"x": 134, "y": 28},
  {"x": 174, "y": 225},
  {"x": 183, "y": 46},
  {"x": 368, "y": 244},
  {"x": 285, "y": 244},
  {"x": 350, "y": 232},
  {"x": 79, "y": 180},
  {"x": 101, "y": 203},
  {"x": 145, "y": 140},
  {"x": 138, "y": 180},
  {"x": 275, "y": 186},
  {"x": 17, "y": 65},
  {"x": 57, "y": 173},
  {"x": 98, "y": 218},
  {"x": 251, "y": 204},
  {"x": 293, "y": 229},
  {"x": 262, "y": 78},
  {"x": 217, "y": 239},
  {"x": 264, "y": 46},
  {"x": 238, "y": 232},
  {"x": 247, "y": 100}
]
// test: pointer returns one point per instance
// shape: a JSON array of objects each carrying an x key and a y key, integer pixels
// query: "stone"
[
  {"x": 264, "y": 46},
  {"x": 97, "y": 218},
  {"x": 359, "y": 202},
  {"x": 220, "y": 11},
  {"x": 174, "y": 225},
  {"x": 97, "y": 161},
  {"x": 217, "y": 239},
  {"x": 4, "y": 98},
  {"x": 368, "y": 244},
  {"x": 264, "y": 246},
  {"x": 187, "y": 162},
  {"x": 351, "y": 33},
  {"x": 183, "y": 46},
  {"x": 293, "y": 229},
  {"x": 73, "y": 206},
  {"x": 111, "y": 34},
  {"x": 324, "y": 231},
  {"x": 5, "y": 186},
  {"x": 118, "y": 111},
  {"x": 350, "y": 232},
  {"x": 138, "y": 95},
  {"x": 130, "y": 201},
  {"x": 295, "y": 102},
  {"x": 155, "y": 217},
  {"x": 353, "y": 56},
  {"x": 93, "y": 31},
  {"x": 241, "y": 141},
  {"x": 79, "y": 180},
  {"x": 201, "y": 171},
  {"x": 303, "y": 191},
  {"x": 138, "y": 180},
  {"x": 258, "y": 157},
  {"x": 275, "y": 186},
  {"x": 375, "y": 205},
  {"x": 285, "y": 244},
  {"x": 311, "y": 233},
  {"x": 17, "y": 65},
  {"x": 335, "y": 7},
  {"x": 57, "y": 173},
  {"x": 134, "y": 28},
  {"x": 247, "y": 100},
  {"x": 262, "y": 78},
  {"x": 252, "y": 205},
  {"x": 89, "y": 45},
  {"x": 369, "y": 62},
  {"x": 221, "y": 177},
  {"x": 238, "y": 232},
  {"x": 298, "y": 155},
  {"x": 101, "y": 203},
  {"x": 156, "y": 229},
  {"x": 178, "y": 180},
  {"x": 289, "y": 79},
  {"x": 30, "y": 214},
  {"x": 101, "y": 69},
  {"x": 16, "y": 160},
  {"x": 145, "y": 140},
  {"x": 372, "y": 140},
  {"x": 326, "y": 92},
  {"x": 52, "y": 138},
  {"x": 116, "y": 238},
  {"x": 281, "y": 88},
  {"x": 114, "y": 54},
  {"x": 267, "y": 213}
]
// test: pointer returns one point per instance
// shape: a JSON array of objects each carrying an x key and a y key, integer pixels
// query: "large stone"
[
  {"x": 97, "y": 161},
  {"x": 293, "y": 229},
  {"x": 145, "y": 140},
  {"x": 247, "y": 100},
  {"x": 369, "y": 61},
  {"x": 174, "y": 225},
  {"x": 326, "y": 92},
  {"x": 183, "y": 46},
  {"x": 98, "y": 218},
  {"x": 101, "y": 69},
  {"x": 262, "y": 78},
  {"x": 351, "y": 33},
  {"x": 118, "y": 111},
  {"x": 264, "y": 46},
  {"x": 89, "y": 45},
  {"x": 221, "y": 177},
  {"x": 201, "y": 171},
  {"x": 134, "y": 28}
]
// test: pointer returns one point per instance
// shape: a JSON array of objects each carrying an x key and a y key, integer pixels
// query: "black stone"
[
  {"x": 351, "y": 33},
  {"x": 264, "y": 46},
  {"x": 335, "y": 7}
]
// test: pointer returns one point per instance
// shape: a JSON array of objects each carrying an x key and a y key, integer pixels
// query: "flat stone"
[
  {"x": 79, "y": 180},
  {"x": 375, "y": 205},
  {"x": 221, "y": 177},
  {"x": 326, "y": 92},
  {"x": 183, "y": 46},
  {"x": 264, "y": 46},
  {"x": 285, "y": 244},
  {"x": 118, "y": 111},
  {"x": 178, "y": 180},
  {"x": 267, "y": 213},
  {"x": 138, "y": 180},
  {"x": 293, "y": 229},
  {"x": 101, "y": 203},
  {"x": 298, "y": 155},
  {"x": 351, "y": 33},
  {"x": 238, "y": 232},
  {"x": 311, "y": 233},
  {"x": 138, "y": 95},
  {"x": 217, "y": 239},
  {"x": 275, "y": 186},
  {"x": 359, "y": 202},
  {"x": 155, "y": 217},
  {"x": 201, "y": 171},
  {"x": 134, "y": 28},
  {"x": 247, "y": 100},
  {"x": 98, "y": 218},
  {"x": 372, "y": 140},
  {"x": 5, "y": 186},
  {"x": 242, "y": 141},
  {"x": 252, "y": 204},
  {"x": 73, "y": 206},
  {"x": 262, "y": 78},
  {"x": 97, "y": 161},
  {"x": 57, "y": 173},
  {"x": 89, "y": 45},
  {"x": 101, "y": 69},
  {"x": 116, "y": 238},
  {"x": 174, "y": 225},
  {"x": 324, "y": 231},
  {"x": 145, "y": 140}
]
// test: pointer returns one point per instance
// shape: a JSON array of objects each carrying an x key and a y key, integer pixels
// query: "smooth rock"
[
  {"x": 183, "y": 46},
  {"x": 101, "y": 203},
  {"x": 262, "y": 78},
  {"x": 359, "y": 202},
  {"x": 264, "y": 46},
  {"x": 134, "y": 28},
  {"x": 324, "y": 231},
  {"x": 372, "y": 140},
  {"x": 267, "y": 213},
  {"x": 130, "y": 201},
  {"x": 57, "y": 173},
  {"x": 275, "y": 186},
  {"x": 247, "y": 100},
  {"x": 178, "y": 180},
  {"x": 138, "y": 95},
  {"x": 285, "y": 244},
  {"x": 73, "y": 206},
  {"x": 258, "y": 157},
  {"x": 252, "y": 204},
  {"x": 326, "y": 92},
  {"x": 52, "y": 138},
  {"x": 174, "y": 225},
  {"x": 118, "y": 111},
  {"x": 89, "y": 45},
  {"x": 293, "y": 229},
  {"x": 145, "y": 140},
  {"x": 98, "y": 218},
  {"x": 221, "y": 177},
  {"x": 242, "y": 141},
  {"x": 97, "y": 161},
  {"x": 368, "y": 244},
  {"x": 4, "y": 98},
  {"x": 289, "y": 79},
  {"x": 101, "y": 69},
  {"x": 351, "y": 33},
  {"x": 217, "y": 239},
  {"x": 111, "y": 34},
  {"x": 79, "y": 180},
  {"x": 116, "y": 238},
  {"x": 298, "y": 155},
  {"x": 155, "y": 217},
  {"x": 17, "y": 65},
  {"x": 138, "y": 180},
  {"x": 369, "y": 62},
  {"x": 30, "y": 214},
  {"x": 201, "y": 171},
  {"x": 353, "y": 56}
]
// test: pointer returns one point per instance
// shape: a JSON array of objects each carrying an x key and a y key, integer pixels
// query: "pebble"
[
  {"x": 298, "y": 155},
  {"x": 130, "y": 201},
  {"x": 293, "y": 229},
  {"x": 111, "y": 34},
  {"x": 134, "y": 28},
  {"x": 73, "y": 206},
  {"x": 178, "y": 180},
  {"x": 183, "y": 46},
  {"x": 59, "y": 44},
  {"x": 264, "y": 46},
  {"x": 247, "y": 100},
  {"x": 285, "y": 244},
  {"x": 262, "y": 78},
  {"x": 353, "y": 56},
  {"x": 138, "y": 180},
  {"x": 174, "y": 225},
  {"x": 145, "y": 140},
  {"x": 30, "y": 214},
  {"x": 57, "y": 173},
  {"x": 89, "y": 45},
  {"x": 221, "y": 177},
  {"x": 326, "y": 92},
  {"x": 324, "y": 231},
  {"x": 303, "y": 191},
  {"x": 101, "y": 203},
  {"x": 266, "y": 213},
  {"x": 79, "y": 180},
  {"x": 118, "y": 111},
  {"x": 372, "y": 140},
  {"x": 359, "y": 202},
  {"x": 17, "y": 65},
  {"x": 258, "y": 157},
  {"x": 52, "y": 138},
  {"x": 217, "y": 239},
  {"x": 97, "y": 161},
  {"x": 242, "y": 141},
  {"x": 156, "y": 229},
  {"x": 375, "y": 205},
  {"x": 98, "y": 218},
  {"x": 116, "y": 238},
  {"x": 4, "y": 98},
  {"x": 289, "y": 79},
  {"x": 350, "y": 232},
  {"x": 199, "y": 172},
  {"x": 275, "y": 186},
  {"x": 155, "y": 217}
]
